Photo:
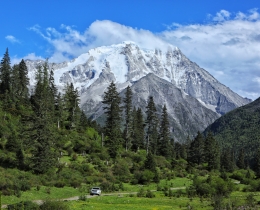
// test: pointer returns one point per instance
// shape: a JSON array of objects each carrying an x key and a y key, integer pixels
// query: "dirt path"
[{"x": 40, "y": 202}]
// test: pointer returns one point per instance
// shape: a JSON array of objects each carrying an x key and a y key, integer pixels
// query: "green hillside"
[{"x": 239, "y": 129}]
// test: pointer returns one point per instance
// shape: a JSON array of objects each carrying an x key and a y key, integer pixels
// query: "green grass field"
[
  {"x": 122, "y": 200},
  {"x": 126, "y": 202},
  {"x": 42, "y": 194}
]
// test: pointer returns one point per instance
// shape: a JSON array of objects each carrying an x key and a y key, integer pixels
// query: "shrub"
[
  {"x": 82, "y": 197},
  {"x": 48, "y": 190},
  {"x": 106, "y": 186},
  {"x": 60, "y": 184},
  {"x": 250, "y": 200},
  {"x": 146, "y": 177},
  {"x": 54, "y": 205},
  {"x": 28, "y": 205},
  {"x": 149, "y": 194},
  {"x": 141, "y": 192}
]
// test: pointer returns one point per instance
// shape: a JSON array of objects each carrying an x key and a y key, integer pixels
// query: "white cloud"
[
  {"x": 222, "y": 15},
  {"x": 256, "y": 79},
  {"x": 12, "y": 39},
  {"x": 231, "y": 46},
  {"x": 71, "y": 43},
  {"x": 228, "y": 45}
]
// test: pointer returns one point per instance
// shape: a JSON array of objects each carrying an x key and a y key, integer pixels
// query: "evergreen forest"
[{"x": 47, "y": 140}]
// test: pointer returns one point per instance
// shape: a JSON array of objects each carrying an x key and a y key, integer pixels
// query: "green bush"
[
  {"x": 141, "y": 192},
  {"x": 28, "y": 205},
  {"x": 106, "y": 186},
  {"x": 54, "y": 205},
  {"x": 149, "y": 194},
  {"x": 60, "y": 183}
]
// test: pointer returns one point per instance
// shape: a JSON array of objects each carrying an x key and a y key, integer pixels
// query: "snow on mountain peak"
[{"x": 126, "y": 63}]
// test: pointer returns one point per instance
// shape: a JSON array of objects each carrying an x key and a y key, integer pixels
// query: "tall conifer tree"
[
  {"x": 43, "y": 157},
  {"x": 164, "y": 146},
  {"x": 128, "y": 117},
  {"x": 71, "y": 106},
  {"x": 227, "y": 160},
  {"x": 212, "y": 152},
  {"x": 138, "y": 130},
  {"x": 257, "y": 163},
  {"x": 196, "y": 151},
  {"x": 23, "y": 91},
  {"x": 241, "y": 159},
  {"x": 5, "y": 74},
  {"x": 152, "y": 127},
  {"x": 113, "y": 111}
]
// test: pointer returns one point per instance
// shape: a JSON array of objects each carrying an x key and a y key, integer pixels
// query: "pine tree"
[
  {"x": 257, "y": 163},
  {"x": 212, "y": 153},
  {"x": 150, "y": 163},
  {"x": 241, "y": 159},
  {"x": 83, "y": 122},
  {"x": 43, "y": 156},
  {"x": 177, "y": 150},
  {"x": 196, "y": 151},
  {"x": 138, "y": 130},
  {"x": 23, "y": 91},
  {"x": 19, "y": 84},
  {"x": 113, "y": 111},
  {"x": 5, "y": 74},
  {"x": 60, "y": 112},
  {"x": 227, "y": 160},
  {"x": 152, "y": 127},
  {"x": 164, "y": 147},
  {"x": 71, "y": 106},
  {"x": 128, "y": 117}
]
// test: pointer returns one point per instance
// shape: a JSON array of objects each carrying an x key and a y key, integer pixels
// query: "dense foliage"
[{"x": 239, "y": 130}]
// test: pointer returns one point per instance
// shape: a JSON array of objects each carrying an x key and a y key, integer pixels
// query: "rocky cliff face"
[
  {"x": 186, "y": 114},
  {"x": 126, "y": 64}
]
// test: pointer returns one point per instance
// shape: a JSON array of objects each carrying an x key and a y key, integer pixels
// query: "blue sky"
[{"x": 221, "y": 36}]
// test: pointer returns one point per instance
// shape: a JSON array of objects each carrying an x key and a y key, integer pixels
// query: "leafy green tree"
[
  {"x": 212, "y": 153},
  {"x": 113, "y": 111},
  {"x": 164, "y": 146},
  {"x": 152, "y": 127},
  {"x": 128, "y": 118},
  {"x": 138, "y": 130}
]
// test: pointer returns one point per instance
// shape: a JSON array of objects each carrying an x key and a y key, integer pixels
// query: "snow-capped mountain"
[{"x": 127, "y": 63}]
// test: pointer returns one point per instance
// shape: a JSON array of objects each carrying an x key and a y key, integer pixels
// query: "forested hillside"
[{"x": 239, "y": 130}]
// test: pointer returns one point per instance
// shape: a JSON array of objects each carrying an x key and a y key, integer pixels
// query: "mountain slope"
[
  {"x": 187, "y": 115},
  {"x": 126, "y": 63},
  {"x": 239, "y": 128}
]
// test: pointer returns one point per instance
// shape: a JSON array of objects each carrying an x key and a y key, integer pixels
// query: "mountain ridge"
[{"x": 127, "y": 63}]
